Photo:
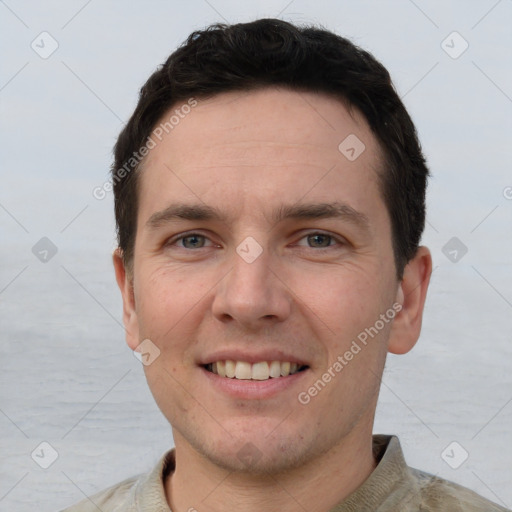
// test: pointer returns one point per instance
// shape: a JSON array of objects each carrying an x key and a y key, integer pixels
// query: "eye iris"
[
  {"x": 193, "y": 241},
  {"x": 319, "y": 240}
]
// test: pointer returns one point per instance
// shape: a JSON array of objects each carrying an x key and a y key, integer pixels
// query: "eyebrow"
[{"x": 201, "y": 212}]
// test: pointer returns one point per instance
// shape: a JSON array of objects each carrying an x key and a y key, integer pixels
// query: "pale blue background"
[{"x": 66, "y": 375}]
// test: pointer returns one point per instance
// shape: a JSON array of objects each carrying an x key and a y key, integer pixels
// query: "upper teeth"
[{"x": 257, "y": 371}]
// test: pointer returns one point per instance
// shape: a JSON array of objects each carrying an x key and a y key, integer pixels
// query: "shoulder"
[
  {"x": 143, "y": 492},
  {"x": 118, "y": 497},
  {"x": 442, "y": 495}
]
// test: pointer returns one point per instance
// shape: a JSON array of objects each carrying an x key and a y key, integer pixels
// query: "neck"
[{"x": 316, "y": 486}]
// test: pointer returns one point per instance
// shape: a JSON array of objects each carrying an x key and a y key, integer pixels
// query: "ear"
[
  {"x": 125, "y": 283},
  {"x": 411, "y": 294}
]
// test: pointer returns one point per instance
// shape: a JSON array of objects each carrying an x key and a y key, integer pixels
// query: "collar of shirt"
[{"x": 390, "y": 483}]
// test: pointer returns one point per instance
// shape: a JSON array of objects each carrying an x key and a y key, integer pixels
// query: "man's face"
[{"x": 277, "y": 278}]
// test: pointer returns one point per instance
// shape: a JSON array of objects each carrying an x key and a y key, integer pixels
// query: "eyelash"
[{"x": 332, "y": 238}]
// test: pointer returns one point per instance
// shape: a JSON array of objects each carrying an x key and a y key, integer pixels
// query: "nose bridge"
[
  {"x": 250, "y": 270},
  {"x": 251, "y": 292}
]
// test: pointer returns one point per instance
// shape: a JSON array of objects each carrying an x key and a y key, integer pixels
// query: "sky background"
[{"x": 66, "y": 376}]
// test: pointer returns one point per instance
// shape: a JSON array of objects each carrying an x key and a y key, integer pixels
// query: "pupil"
[
  {"x": 320, "y": 240},
  {"x": 192, "y": 241}
]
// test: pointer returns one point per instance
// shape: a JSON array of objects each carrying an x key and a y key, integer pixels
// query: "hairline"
[{"x": 382, "y": 169}]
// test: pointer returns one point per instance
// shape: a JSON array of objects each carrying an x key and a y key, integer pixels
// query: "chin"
[
  {"x": 258, "y": 451},
  {"x": 251, "y": 460}
]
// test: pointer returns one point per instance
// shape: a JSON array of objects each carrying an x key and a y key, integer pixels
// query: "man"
[{"x": 270, "y": 199}]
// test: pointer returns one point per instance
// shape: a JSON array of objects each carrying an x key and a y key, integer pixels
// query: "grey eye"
[
  {"x": 319, "y": 240},
  {"x": 193, "y": 241}
]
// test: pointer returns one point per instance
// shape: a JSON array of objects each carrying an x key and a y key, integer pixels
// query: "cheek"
[
  {"x": 344, "y": 298},
  {"x": 343, "y": 307},
  {"x": 169, "y": 304}
]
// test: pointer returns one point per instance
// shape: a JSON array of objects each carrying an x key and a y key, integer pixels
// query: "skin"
[{"x": 248, "y": 154}]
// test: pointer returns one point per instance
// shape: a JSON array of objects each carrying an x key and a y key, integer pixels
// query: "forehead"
[{"x": 261, "y": 148}]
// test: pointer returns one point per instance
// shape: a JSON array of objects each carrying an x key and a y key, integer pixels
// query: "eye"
[
  {"x": 190, "y": 241},
  {"x": 320, "y": 240}
]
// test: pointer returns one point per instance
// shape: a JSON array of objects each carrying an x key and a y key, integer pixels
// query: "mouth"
[{"x": 259, "y": 371}]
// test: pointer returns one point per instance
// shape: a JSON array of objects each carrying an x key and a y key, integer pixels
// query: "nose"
[{"x": 252, "y": 294}]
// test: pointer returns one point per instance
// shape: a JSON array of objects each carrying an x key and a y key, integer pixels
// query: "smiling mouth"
[{"x": 263, "y": 370}]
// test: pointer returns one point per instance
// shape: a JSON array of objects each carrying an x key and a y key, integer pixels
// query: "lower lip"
[{"x": 253, "y": 389}]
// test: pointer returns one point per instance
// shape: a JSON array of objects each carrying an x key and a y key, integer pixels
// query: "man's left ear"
[{"x": 411, "y": 294}]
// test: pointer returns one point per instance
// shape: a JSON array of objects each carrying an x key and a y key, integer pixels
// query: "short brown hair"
[{"x": 272, "y": 52}]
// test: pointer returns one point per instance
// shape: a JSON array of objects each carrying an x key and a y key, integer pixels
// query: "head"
[
  {"x": 247, "y": 232},
  {"x": 266, "y": 53}
]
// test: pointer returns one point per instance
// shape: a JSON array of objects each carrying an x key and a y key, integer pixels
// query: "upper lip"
[{"x": 251, "y": 357}]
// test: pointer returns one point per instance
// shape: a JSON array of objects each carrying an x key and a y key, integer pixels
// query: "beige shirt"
[{"x": 392, "y": 487}]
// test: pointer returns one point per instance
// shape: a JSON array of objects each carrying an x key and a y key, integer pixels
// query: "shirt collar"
[{"x": 388, "y": 484}]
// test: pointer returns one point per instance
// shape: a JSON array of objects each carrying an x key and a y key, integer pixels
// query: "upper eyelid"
[
  {"x": 322, "y": 233},
  {"x": 337, "y": 238},
  {"x": 172, "y": 240}
]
